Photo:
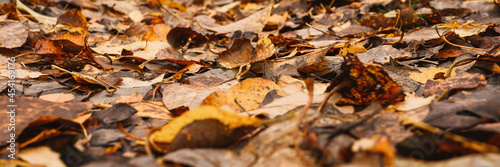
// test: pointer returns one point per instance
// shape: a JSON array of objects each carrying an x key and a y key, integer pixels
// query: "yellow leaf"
[
  {"x": 249, "y": 95},
  {"x": 427, "y": 73},
  {"x": 231, "y": 120}
]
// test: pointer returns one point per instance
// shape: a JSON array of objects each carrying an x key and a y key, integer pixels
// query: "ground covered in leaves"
[{"x": 249, "y": 83}]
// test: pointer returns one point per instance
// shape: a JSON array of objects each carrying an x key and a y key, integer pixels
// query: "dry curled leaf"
[
  {"x": 369, "y": 84},
  {"x": 189, "y": 129},
  {"x": 242, "y": 52}
]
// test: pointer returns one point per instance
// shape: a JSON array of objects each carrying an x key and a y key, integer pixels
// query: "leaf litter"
[{"x": 250, "y": 83}]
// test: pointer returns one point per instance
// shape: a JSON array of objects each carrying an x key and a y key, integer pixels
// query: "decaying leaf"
[
  {"x": 369, "y": 84},
  {"x": 74, "y": 18},
  {"x": 463, "y": 80},
  {"x": 242, "y": 52},
  {"x": 93, "y": 75},
  {"x": 210, "y": 116}
]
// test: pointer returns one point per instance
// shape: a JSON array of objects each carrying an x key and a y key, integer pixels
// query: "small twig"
[
  {"x": 466, "y": 142},
  {"x": 456, "y": 45},
  {"x": 400, "y": 38},
  {"x": 317, "y": 29},
  {"x": 154, "y": 92},
  {"x": 120, "y": 127},
  {"x": 450, "y": 69},
  {"x": 241, "y": 73},
  {"x": 330, "y": 94},
  {"x": 445, "y": 92},
  {"x": 107, "y": 85},
  {"x": 331, "y": 4}
]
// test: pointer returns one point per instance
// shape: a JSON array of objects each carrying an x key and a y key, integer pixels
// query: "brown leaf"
[
  {"x": 461, "y": 81},
  {"x": 208, "y": 133},
  {"x": 464, "y": 110},
  {"x": 14, "y": 34},
  {"x": 178, "y": 37},
  {"x": 253, "y": 23},
  {"x": 116, "y": 113},
  {"x": 74, "y": 18},
  {"x": 378, "y": 21},
  {"x": 370, "y": 84},
  {"x": 35, "y": 108},
  {"x": 382, "y": 54},
  {"x": 242, "y": 52},
  {"x": 176, "y": 95},
  {"x": 10, "y": 10}
]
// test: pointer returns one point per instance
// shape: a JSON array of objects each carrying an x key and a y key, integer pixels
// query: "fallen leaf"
[
  {"x": 465, "y": 109},
  {"x": 14, "y": 34},
  {"x": 58, "y": 97},
  {"x": 36, "y": 108},
  {"x": 41, "y": 155},
  {"x": 93, "y": 75},
  {"x": 154, "y": 110},
  {"x": 382, "y": 55},
  {"x": 413, "y": 102},
  {"x": 425, "y": 74},
  {"x": 116, "y": 113},
  {"x": 253, "y": 23},
  {"x": 461, "y": 81},
  {"x": 242, "y": 52},
  {"x": 369, "y": 84},
  {"x": 178, "y": 37},
  {"x": 221, "y": 120},
  {"x": 74, "y": 18},
  {"x": 244, "y": 96},
  {"x": 135, "y": 83},
  {"x": 188, "y": 95}
]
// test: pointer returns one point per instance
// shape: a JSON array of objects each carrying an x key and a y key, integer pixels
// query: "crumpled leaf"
[
  {"x": 93, "y": 75},
  {"x": 314, "y": 62},
  {"x": 463, "y": 80},
  {"x": 253, "y": 23},
  {"x": 369, "y": 84},
  {"x": 242, "y": 52},
  {"x": 179, "y": 36},
  {"x": 74, "y": 18},
  {"x": 221, "y": 122}
]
